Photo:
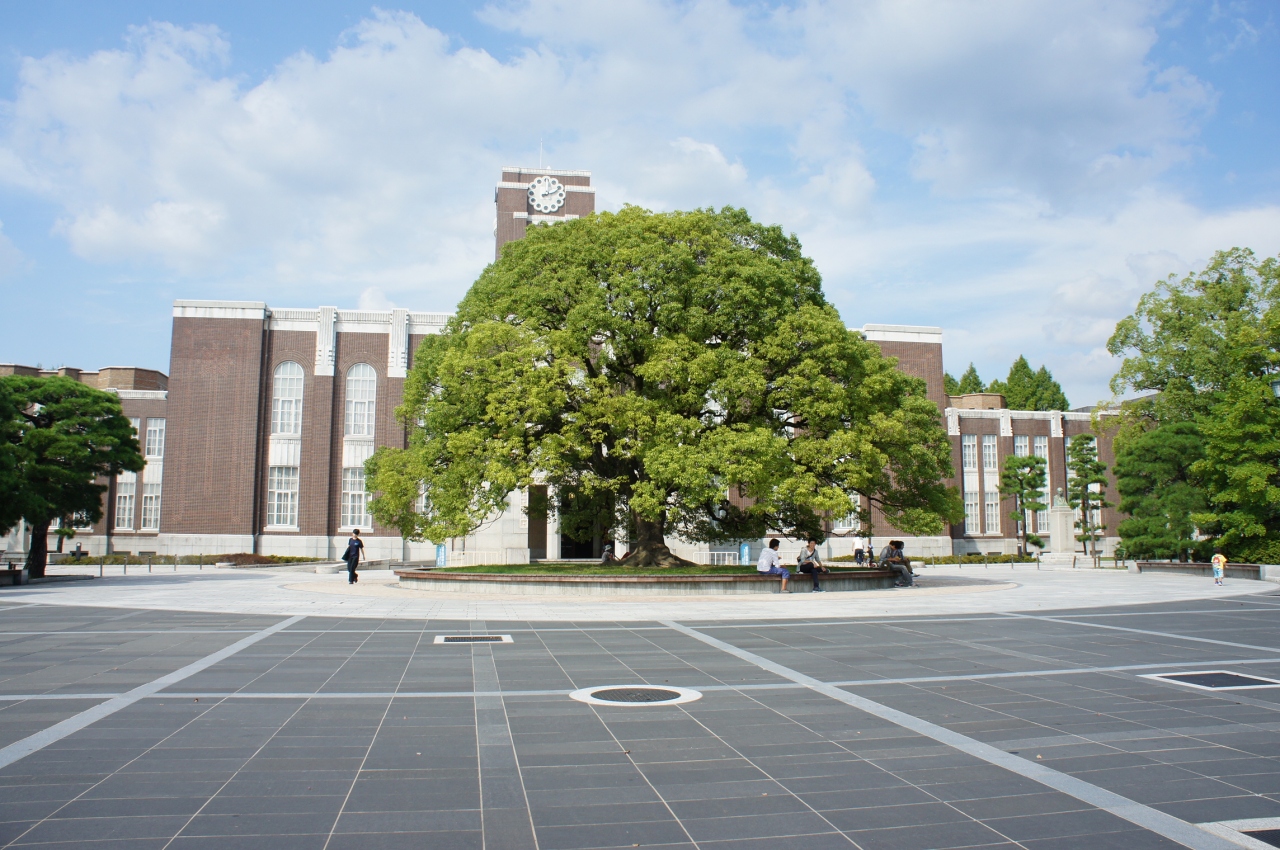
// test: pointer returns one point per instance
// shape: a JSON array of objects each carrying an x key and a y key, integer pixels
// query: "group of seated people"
[{"x": 891, "y": 558}]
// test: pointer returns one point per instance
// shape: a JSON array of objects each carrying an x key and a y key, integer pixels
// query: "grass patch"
[{"x": 565, "y": 569}]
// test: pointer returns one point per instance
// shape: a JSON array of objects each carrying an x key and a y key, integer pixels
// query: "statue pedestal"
[{"x": 1062, "y": 540}]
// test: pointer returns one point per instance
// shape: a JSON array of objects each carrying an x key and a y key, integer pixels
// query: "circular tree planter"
[
  {"x": 631, "y": 696},
  {"x": 529, "y": 584}
]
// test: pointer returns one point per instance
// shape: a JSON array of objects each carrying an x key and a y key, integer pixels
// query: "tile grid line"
[
  {"x": 373, "y": 739},
  {"x": 755, "y": 686},
  {"x": 596, "y": 711},
  {"x": 1175, "y": 829},
  {"x": 34, "y": 743}
]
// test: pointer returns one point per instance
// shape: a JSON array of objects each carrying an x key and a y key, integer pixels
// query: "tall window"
[
  {"x": 991, "y": 507},
  {"x": 155, "y": 438},
  {"x": 126, "y": 484},
  {"x": 1041, "y": 448},
  {"x": 151, "y": 505},
  {"x": 282, "y": 496},
  {"x": 969, "y": 451},
  {"x": 286, "y": 399},
  {"x": 971, "y": 513},
  {"x": 354, "y": 498},
  {"x": 990, "y": 459},
  {"x": 1021, "y": 445},
  {"x": 362, "y": 391}
]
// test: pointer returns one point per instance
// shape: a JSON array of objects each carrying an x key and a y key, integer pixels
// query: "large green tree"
[
  {"x": 10, "y": 436},
  {"x": 1023, "y": 480},
  {"x": 1158, "y": 490},
  {"x": 1087, "y": 489},
  {"x": 1204, "y": 350},
  {"x": 681, "y": 371},
  {"x": 63, "y": 436}
]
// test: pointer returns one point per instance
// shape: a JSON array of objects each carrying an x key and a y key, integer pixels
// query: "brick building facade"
[{"x": 257, "y": 438}]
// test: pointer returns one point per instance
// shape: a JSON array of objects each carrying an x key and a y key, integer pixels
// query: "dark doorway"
[{"x": 538, "y": 522}]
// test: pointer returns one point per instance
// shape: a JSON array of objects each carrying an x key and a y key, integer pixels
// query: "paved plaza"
[{"x": 280, "y": 709}]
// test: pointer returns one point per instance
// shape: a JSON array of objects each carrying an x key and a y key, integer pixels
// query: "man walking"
[
  {"x": 771, "y": 565},
  {"x": 355, "y": 546}
]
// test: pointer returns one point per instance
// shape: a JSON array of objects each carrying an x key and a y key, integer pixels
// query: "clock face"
[{"x": 546, "y": 195}]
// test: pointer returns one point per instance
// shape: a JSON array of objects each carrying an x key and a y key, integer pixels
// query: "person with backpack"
[
  {"x": 810, "y": 562},
  {"x": 355, "y": 546}
]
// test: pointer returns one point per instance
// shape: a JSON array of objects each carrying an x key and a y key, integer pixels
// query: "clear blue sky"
[{"x": 1016, "y": 172}]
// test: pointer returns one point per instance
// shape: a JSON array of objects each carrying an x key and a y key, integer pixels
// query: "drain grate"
[
  {"x": 474, "y": 639},
  {"x": 1216, "y": 680},
  {"x": 1266, "y": 836},
  {"x": 634, "y": 695}
]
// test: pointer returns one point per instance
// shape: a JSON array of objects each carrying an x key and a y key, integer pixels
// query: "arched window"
[
  {"x": 286, "y": 399},
  {"x": 362, "y": 391}
]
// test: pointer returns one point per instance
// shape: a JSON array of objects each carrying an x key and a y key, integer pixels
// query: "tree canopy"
[
  {"x": 62, "y": 436},
  {"x": 681, "y": 372},
  {"x": 1205, "y": 348},
  {"x": 1023, "y": 389},
  {"x": 1158, "y": 491}
]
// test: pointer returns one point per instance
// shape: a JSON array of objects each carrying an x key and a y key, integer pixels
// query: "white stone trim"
[
  {"x": 355, "y": 452},
  {"x": 902, "y": 333},
  {"x": 326, "y": 340},
  {"x": 1006, "y": 423},
  {"x": 284, "y": 451},
  {"x": 140, "y": 395},
  {"x": 184, "y": 309},
  {"x": 398, "y": 345},
  {"x": 548, "y": 171}
]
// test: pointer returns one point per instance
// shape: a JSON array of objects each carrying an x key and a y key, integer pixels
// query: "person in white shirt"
[{"x": 771, "y": 565}]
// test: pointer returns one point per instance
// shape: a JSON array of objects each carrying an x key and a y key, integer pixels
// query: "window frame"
[
  {"x": 287, "y": 405},
  {"x": 275, "y": 477},
  {"x": 360, "y": 413}
]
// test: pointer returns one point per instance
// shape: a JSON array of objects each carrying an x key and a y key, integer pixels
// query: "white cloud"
[{"x": 992, "y": 167}]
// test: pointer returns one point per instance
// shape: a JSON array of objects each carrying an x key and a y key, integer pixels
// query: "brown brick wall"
[
  {"x": 299, "y": 347},
  {"x": 920, "y": 360},
  {"x": 353, "y": 348},
  {"x": 215, "y": 371}
]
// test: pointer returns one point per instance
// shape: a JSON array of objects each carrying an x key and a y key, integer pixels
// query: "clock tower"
[{"x": 528, "y": 196}]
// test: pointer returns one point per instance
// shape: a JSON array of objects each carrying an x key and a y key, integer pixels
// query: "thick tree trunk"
[
  {"x": 649, "y": 549},
  {"x": 38, "y": 554}
]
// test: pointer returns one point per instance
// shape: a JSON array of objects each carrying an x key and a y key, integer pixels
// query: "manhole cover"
[
  {"x": 473, "y": 639},
  {"x": 1216, "y": 680},
  {"x": 626, "y": 695}
]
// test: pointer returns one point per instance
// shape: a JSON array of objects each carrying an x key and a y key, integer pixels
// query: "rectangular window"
[
  {"x": 282, "y": 496},
  {"x": 969, "y": 451},
  {"x": 126, "y": 484},
  {"x": 971, "y": 525},
  {"x": 991, "y": 507},
  {"x": 1021, "y": 445},
  {"x": 155, "y": 438},
  {"x": 151, "y": 506},
  {"x": 1041, "y": 449},
  {"x": 990, "y": 458},
  {"x": 354, "y": 498}
]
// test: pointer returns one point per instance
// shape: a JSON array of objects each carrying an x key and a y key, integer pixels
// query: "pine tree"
[
  {"x": 949, "y": 384},
  {"x": 1023, "y": 479},
  {"x": 1025, "y": 389},
  {"x": 1158, "y": 491},
  {"x": 970, "y": 382},
  {"x": 1086, "y": 489}
]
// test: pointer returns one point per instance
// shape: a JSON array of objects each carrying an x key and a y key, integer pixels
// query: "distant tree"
[
  {"x": 970, "y": 382},
  {"x": 65, "y": 436},
  {"x": 1025, "y": 389},
  {"x": 1241, "y": 465},
  {"x": 650, "y": 367},
  {"x": 949, "y": 384},
  {"x": 1023, "y": 480},
  {"x": 10, "y": 436},
  {"x": 1204, "y": 350},
  {"x": 1158, "y": 491},
  {"x": 1086, "y": 489}
]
